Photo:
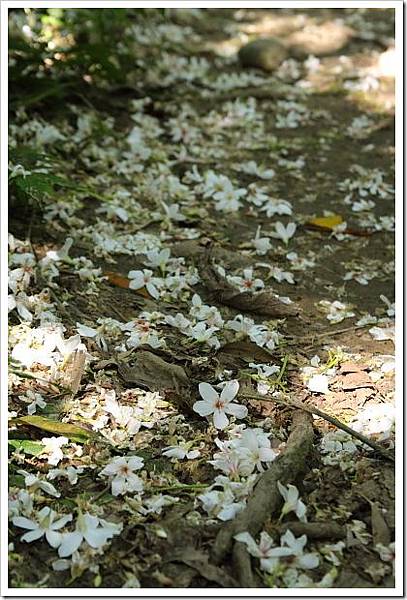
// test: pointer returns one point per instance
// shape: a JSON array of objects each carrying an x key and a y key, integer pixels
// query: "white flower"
[
  {"x": 375, "y": 420},
  {"x": 20, "y": 302},
  {"x": 240, "y": 324},
  {"x": 93, "y": 530},
  {"x": 156, "y": 258},
  {"x": 35, "y": 399},
  {"x": 280, "y": 275},
  {"x": 44, "y": 525},
  {"x": 292, "y": 501},
  {"x": 228, "y": 200},
  {"x": 262, "y": 336},
  {"x": 265, "y": 370},
  {"x": 90, "y": 332},
  {"x": 284, "y": 232},
  {"x": 202, "y": 333},
  {"x": 247, "y": 282},
  {"x": 292, "y": 546},
  {"x": 337, "y": 311},
  {"x": 215, "y": 183},
  {"x": 273, "y": 206},
  {"x": 112, "y": 211},
  {"x": 382, "y": 333},
  {"x": 318, "y": 383},
  {"x": 172, "y": 212},
  {"x": 391, "y": 306},
  {"x": 140, "y": 279},
  {"x": 124, "y": 416},
  {"x": 59, "y": 255},
  {"x": 179, "y": 321},
  {"x": 181, "y": 451},
  {"x": 252, "y": 168},
  {"x": 156, "y": 503},
  {"x": 34, "y": 483},
  {"x": 52, "y": 446},
  {"x": 217, "y": 405},
  {"x": 262, "y": 244},
  {"x": 121, "y": 469},
  {"x": 221, "y": 504},
  {"x": 263, "y": 550},
  {"x": 71, "y": 473},
  {"x": 254, "y": 446}
]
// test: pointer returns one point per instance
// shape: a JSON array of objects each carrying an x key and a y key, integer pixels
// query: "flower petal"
[
  {"x": 236, "y": 410},
  {"x": 208, "y": 392},
  {"x": 203, "y": 408},
  {"x": 230, "y": 390},
  {"x": 70, "y": 543},
  {"x": 54, "y": 538},
  {"x": 30, "y": 536},
  {"x": 24, "y": 522},
  {"x": 220, "y": 420}
]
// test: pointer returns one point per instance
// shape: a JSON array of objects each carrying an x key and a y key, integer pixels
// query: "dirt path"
[{"x": 196, "y": 192}]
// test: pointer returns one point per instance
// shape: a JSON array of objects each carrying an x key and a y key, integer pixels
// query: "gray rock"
[{"x": 263, "y": 53}]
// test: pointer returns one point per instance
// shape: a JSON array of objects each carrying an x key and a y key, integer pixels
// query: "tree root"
[
  {"x": 266, "y": 500},
  {"x": 315, "y": 531}
]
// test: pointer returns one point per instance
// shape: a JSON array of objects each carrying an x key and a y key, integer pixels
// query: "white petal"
[
  {"x": 97, "y": 537},
  {"x": 152, "y": 290},
  {"x": 135, "y": 462},
  {"x": 267, "y": 454},
  {"x": 230, "y": 390},
  {"x": 174, "y": 452},
  {"x": 137, "y": 280},
  {"x": 118, "y": 486},
  {"x": 308, "y": 561},
  {"x": 203, "y": 408},
  {"x": 32, "y": 535},
  {"x": 54, "y": 538},
  {"x": 208, "y": 393},
  {"x": 247, "y": 539},
  {"x": 193, "y": 454},
  {"x": 236, "y": 410},
  {"x": 220, "y": 420},
  {"x": 318, "y": 383},
  {"x": 70, "y": 543},
  {"x": 24, "y": 522}
]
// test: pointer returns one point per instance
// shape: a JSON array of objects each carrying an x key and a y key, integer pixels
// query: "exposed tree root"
[
  {"x": 266, "y": 500},
  {"x": 220, "y": 290},
  {"x": 315, "y": 531}
]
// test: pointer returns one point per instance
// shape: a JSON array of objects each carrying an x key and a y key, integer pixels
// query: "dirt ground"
[{"x": 325, "y": 126}]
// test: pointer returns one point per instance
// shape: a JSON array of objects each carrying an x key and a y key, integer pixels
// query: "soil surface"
[{"x": 310, "y": 143}]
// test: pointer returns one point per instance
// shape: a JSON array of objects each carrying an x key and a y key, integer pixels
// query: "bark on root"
[
  {"x": 266, "y": 500},
  {"x": 220, "y": 290}
]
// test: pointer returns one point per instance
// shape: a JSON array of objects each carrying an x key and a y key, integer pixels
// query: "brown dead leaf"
[
  {"x": 352, "y": 367},
  {"x": 352, "y": 381}
]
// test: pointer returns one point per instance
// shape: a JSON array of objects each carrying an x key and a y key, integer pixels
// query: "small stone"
[{"x": 263, "y": 53}]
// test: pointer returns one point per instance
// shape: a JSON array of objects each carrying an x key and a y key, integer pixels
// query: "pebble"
[{"x": 264, "y": 53}]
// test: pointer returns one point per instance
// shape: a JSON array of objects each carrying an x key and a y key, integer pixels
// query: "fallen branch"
[
  {"x": 313, "y": 410},
  {"x": 266, "y": 499}
]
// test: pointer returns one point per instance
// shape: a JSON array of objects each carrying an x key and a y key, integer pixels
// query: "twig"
[
  {"x": 314, "y": 410},
  {"x": 195, "y": 487}
]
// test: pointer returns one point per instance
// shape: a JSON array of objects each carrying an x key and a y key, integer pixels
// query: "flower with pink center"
[{"x": 219, "y": 405}]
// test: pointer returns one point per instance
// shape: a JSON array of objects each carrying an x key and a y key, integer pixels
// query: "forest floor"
[{"x": 218, "y": 224}]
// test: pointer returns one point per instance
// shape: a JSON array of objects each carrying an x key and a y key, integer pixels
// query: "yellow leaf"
[
  {"x": 73, "y": 432},
  {"x": 326, "y": 222}
]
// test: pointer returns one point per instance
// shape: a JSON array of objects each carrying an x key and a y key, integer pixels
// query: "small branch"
[{"x": 313, "y": 410}]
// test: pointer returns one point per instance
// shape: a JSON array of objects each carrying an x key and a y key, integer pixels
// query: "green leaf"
[
  {"x": 27, "y": 446},
  {"x": 73, "y": 432}
]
